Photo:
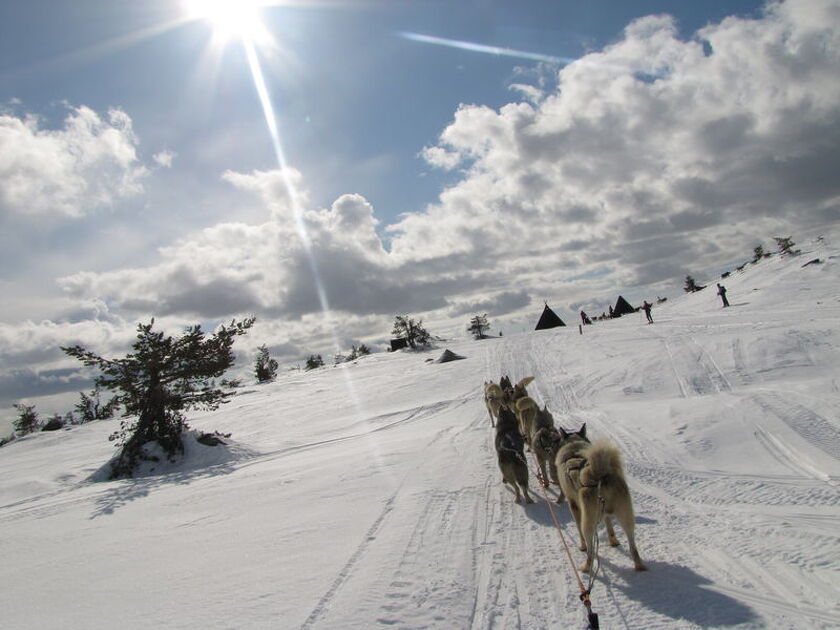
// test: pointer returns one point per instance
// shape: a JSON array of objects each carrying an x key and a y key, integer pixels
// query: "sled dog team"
[{"x": 590, "y": 475}]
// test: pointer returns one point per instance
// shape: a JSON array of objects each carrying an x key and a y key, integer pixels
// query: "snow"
[{"x": 368, "y": 496}]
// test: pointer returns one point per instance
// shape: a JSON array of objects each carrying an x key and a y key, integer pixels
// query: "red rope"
[{"x": 584, "y": 593}]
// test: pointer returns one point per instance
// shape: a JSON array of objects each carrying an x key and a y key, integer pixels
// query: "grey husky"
[
  {"x": 511, "y": 454},
  {"x": 494, "y": 397},
  {"x": 544, "y": 443},
  {"x": 592, "y": 478}
]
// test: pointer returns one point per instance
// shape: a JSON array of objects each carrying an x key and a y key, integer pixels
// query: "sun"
[{"x": 229, "y": 19}]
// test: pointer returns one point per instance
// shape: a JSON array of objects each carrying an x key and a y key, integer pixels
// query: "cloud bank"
[{"x": 89, "y": 163}]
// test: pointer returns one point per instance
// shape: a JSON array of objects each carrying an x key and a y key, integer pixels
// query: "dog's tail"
[
  {"x": 603, "y": 460},
  {"x": 526, "y": 403}
]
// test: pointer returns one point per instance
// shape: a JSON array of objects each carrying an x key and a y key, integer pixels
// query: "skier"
[
  {"x": 647, "y": 308},
  {"x": 722, "y": 294}
]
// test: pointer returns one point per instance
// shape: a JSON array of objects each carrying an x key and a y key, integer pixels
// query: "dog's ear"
[
  {"x": 582, "y": 432},
  {"x": 564, "y": 435}
]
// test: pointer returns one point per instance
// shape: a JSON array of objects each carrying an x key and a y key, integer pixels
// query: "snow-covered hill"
[{"x": 369, "y": 496}]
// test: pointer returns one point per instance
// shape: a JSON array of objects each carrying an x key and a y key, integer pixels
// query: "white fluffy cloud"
[
  {"x": 88, "y": 163},
  {"x": 654, "y": 149},
  {"x": 298, "y": 263}
]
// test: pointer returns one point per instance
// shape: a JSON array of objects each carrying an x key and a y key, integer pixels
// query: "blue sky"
[
  {"x": 356, "y": 102},
  {"x": 138, "y": 177}
]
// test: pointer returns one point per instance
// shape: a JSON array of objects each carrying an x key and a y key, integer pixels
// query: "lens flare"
[{"x": 229, "y": 19}]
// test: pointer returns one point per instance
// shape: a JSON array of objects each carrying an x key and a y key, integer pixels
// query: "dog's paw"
[
  {"x": 641, "y": 567},
  {"x": 529, "y": 500},
  {"x": 584, "y": 568}
]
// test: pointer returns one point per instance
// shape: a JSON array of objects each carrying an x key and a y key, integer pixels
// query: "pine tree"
[
  {"x": 785, "y": 245},
  {"x": 478, "y": 325},
  {"x": 265, "y": 368},
  {"x": 159, "y": 381},
  {"x": 90, "y": 407},
  {"x": 758, "y": 253},
  {"x": 314, "y": 361},
  {"x": 412, "y": 331},
  {"x": 27, "y": 420},
  {"x": 691, "y": 285}
]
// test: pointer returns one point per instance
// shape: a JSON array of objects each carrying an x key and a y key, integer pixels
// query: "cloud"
[
  {"x": 89, "y": 163},
  {"x": 500, "y": 304},
  {"x": 682, "y": 141},
  {"x": 164, "y": 158}
]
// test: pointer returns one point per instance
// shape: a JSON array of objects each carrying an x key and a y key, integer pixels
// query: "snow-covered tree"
[
  {"x": 161, "y": 379},
  {"x": 412, "y": 331},
  {"x": 90, "y": 407},
  {"x": 265, "y": 368},
  {"x": 27, "y": 420},
  {"x": 478, "y": 325}
]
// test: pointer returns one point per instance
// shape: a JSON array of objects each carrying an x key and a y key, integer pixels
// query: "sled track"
[
  {"x": 818, "y": 431},
  {"x": 707, "y": 488}
]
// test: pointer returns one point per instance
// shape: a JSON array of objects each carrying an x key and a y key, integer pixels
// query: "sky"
[{"x": 343, "y": 162}]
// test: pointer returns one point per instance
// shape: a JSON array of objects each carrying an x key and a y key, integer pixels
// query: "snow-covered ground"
[{"x": 369, "y": 496}]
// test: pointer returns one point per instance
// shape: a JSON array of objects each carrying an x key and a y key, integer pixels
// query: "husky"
[
  {"x": 515, "y": 392},
  {"x": 592, "y": 478},
  {"x": 505, "y": 383},
  {"x": 544, "y": 440},
  {"x": 511, "y": 454},
  {"x": 526, "y": 410},
  {"x": 494, "y": 397}
]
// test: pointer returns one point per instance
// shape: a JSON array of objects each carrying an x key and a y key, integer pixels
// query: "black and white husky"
[{"x": 510, "y": 449}]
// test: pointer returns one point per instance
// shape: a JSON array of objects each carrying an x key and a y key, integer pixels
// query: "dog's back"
[
  {"x": 603, "y": 477},
  {"x": 510, "y": 450},
  {"x": 542, "y": 420},
  {"x": 508, "y": 439},
  {"x": 569, "y": 461},
  {"x": 526, "y": 412}
]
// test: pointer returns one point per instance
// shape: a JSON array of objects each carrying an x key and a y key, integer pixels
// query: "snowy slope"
[{"x": 369, "y": 496}]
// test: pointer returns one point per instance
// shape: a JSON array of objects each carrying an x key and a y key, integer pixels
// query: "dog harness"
[{"x": 576, "y": 463}]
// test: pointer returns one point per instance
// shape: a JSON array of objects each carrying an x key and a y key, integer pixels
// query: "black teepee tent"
[
  {"x": 448, "y": 356},
  {"x": 548, "y": 319},
  {"x": 622, "y": 307}
]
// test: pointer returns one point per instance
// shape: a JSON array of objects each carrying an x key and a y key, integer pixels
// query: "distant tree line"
[{"x": 784, "y": 247}]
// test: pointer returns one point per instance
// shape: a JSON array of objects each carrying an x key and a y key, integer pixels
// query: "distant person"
[
  {"x": 585, "y": 318},
  {"x": 612, "y": 312},
  {"x": 722, "y": 294},
  {"x": 646, "y": 306}
]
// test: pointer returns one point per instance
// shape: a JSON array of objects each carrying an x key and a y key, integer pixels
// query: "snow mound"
[{"x": 196, "y": 457}]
